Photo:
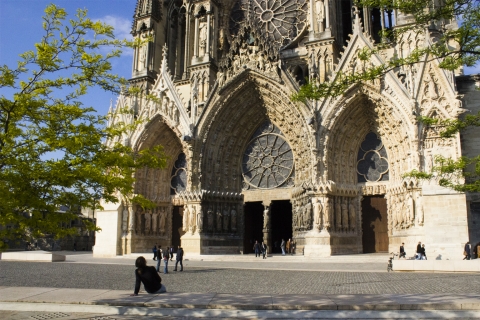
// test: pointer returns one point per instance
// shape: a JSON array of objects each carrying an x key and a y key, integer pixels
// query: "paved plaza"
[{"x": 231, "y": 287}]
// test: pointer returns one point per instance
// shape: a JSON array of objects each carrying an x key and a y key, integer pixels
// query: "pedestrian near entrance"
[
  {"x": 147, "y": 275},
  {"x": 288, "y": 245},
  {"x": 154, "y": 250},
  {"x": 165, "y": 257},
  {"x": 418, "y": 255},
  {"x": 402, "y": 252},
  {"x": 293, "y": 246},
  {"x": 179, "y": 259},
  {"x": 171, "y": 253},
  {"x": 256, "y": 248},
  {"x": 159, "y": 257},
  {"x": 282, "y": 246},
  {"x": 264, "y": 250},
  {"x": 424, "y": 254},
  {"x": 467, "y": 251}
]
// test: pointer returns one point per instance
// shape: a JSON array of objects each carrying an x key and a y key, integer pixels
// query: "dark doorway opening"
[
  {"x": 253, "y": 225},
  {"x": 177, "y": 222},
  {"x": 374, "y": 224},
  {"x": 281, "y": 223}
]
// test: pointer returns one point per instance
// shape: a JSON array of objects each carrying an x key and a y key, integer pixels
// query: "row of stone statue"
[
  {"x": 220, "y": 218},
  {"x": 151, "y": 221},
  {"x": 404, "y": 211},
  {"x": 331, "y": 214}
]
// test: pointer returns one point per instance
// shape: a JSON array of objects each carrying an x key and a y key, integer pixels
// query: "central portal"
[
  {"x": 281, "y": 223},
  {"x": 374, "y": 224}
]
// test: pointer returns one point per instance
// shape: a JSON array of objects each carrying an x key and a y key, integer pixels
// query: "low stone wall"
[{"x": 437, "y": 265}]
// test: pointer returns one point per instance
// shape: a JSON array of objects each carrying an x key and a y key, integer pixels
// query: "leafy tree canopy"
[
  {"x": 451, "y": 45},
  {"x": 52, "y": 147}
]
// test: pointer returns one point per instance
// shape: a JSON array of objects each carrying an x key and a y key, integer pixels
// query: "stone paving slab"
[{"x": 241, "y": 301}]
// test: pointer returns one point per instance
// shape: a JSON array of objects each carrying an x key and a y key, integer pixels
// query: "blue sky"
[{"x": 21, "y": 28}]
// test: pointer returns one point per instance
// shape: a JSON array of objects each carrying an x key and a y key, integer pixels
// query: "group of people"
[
  {"x": 471, "y": 251},
  {"x": 260, "y": 249},
  {"x": 164, "y": 255},
  {"x": 288, "y": 247},
  {"x": 419, "y": 255}
]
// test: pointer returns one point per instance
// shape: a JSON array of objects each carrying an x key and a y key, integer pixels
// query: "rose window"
[
  {"x": 280, "y": 20},
  {"x": 372, "y": 160},
  {"x": 268, "y": 160}
]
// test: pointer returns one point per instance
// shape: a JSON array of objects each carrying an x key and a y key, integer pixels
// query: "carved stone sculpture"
[
  {"x": 200, "y": 220},
  {"x": 219, "y": 219},
  {"x": 344, "y": 214},
  {"x": 138, "y": 224},
  {"x": 226, "y": 218},
  {"x": 308, "y": 215},
  {"x": 320, "y": 11},
  {"x": 193, "y": 219},
  {"x": 210, "y": 219},
  {"x": 352, "y": 215},
  {"x": 338, "y": 214},
  {"x": 186, "y": 213},
  {"x": 148, "y": 222},
  {"x": 266, "y": 217},
  {"x": 163, "y": 219},
  {"x": 317, "y": 215},
  {"x": 125, "y": 219},
  {"x": 155, "y": 220},
  {"x": 233, "y": 219}
]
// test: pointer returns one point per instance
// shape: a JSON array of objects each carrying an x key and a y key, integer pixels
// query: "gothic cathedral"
[{"x": 247, "y": 164}]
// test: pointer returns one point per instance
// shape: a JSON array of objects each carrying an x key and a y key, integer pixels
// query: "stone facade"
[{"x": 223, "y": 73}]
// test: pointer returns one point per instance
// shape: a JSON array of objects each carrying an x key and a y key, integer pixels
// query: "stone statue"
[
  {"x": 320, "y": 11},
  {"x": 344, "y": 214},
  {"x": 338, "y": 214},
  {"x": 202, "y": 35},
  {"x": 430, "y": 90},
  {"x": 210, "y": 219},
  {"x": 300, "y": 216},
  {"x": 200, "y": 220},
  {"x": 142, "y": 57},
  {"x": 410, "y": 210},
  {"x": 261, "y": 62},
  {"x": 186, "y": 213},
  {"x": 266, "y": 217},
  {"x": 233, "y": 219},
  {"x": 125, "y": 219},
  {"x": 193, "y": 219},
  {"x": 155, "y": 220},
  {"x": 226, "y": 218},
  {"x": 163, "y": 219},
  {"x": 308, "y": 215},
  {"x": 317, "y": 215},
  {"x": 352, "y": 214},
  {"x": 420, "y": 214},
  {"x": 138, "y": 225},
  {"x": 148, "y": 222},
  {"x": 327, "y": 214},
  {"x": 220, "y": 78},
  {"x": 219, "y": 219}
]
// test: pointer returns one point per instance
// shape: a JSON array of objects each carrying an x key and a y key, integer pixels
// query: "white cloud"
[
  {"x": 122, "y": 28},
  {"x": 472, "y": 70}
]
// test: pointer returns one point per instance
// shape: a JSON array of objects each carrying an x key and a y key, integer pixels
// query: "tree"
[
  {"x": 453, "y": 46},
  {"x": 52, "y": 147}
]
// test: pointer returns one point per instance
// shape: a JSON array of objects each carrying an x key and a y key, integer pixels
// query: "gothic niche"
[
  {"x": 372, "y": 160},
  {"x": 179, "y": 175},
  {"x": 268, "y": 160}
]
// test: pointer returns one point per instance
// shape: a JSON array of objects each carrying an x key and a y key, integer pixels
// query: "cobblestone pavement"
[{"x": 121, "y": 277}]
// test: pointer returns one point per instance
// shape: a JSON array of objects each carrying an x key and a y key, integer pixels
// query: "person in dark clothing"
[
  {"x": 159, "y": 257},
  {"x": 74, "y": 246},
  {"x": 154, "y": 250},
  {"x": 148, "y": 276},
  {"x": 264, "y": 250},
  {"x": 171, "y": 253},
  {"x": 179, "y": 259},
  {"x": 402, "y": 251},
  {"x": 424, "y": 255},
  {"x": 256, "y": 248},
  {"x": 419, "y": 251},
  {"x": 467, "y": 251}
]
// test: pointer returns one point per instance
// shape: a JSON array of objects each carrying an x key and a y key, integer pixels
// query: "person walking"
[
  {"x": 171, "y": 253},
  {"x": 293, "y": 245},
  {"x": 264, "y": 250},
  {"x": 159, "y": 257},
  {"x": 256, "y": 248},
  {"x": 154, "y": 250},
  {"x": 424, "y": 255},
  {"x": 165, "y": 257},
  {"x": 179, "y": 259},
  {"x": 418, "y": 255},
  {"x": 289, "y": 242},
  {"x": 402, "y": 252},
  {"x": 467, "y": 251},
  {"x": 282, "y": 246}
]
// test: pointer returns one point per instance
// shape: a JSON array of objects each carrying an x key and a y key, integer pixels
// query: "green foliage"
[{"x": 52, "y": 149}]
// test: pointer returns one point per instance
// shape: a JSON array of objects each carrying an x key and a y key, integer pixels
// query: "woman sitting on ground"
[{"x": 148, "y": 276}]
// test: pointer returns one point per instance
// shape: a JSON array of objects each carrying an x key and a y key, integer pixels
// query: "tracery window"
[
  {"x": 280, "y": 20},
  {"x": 372, "y": 160},
  {"x": 267, "y": 160},
  {"x": 178, "y": 182}
]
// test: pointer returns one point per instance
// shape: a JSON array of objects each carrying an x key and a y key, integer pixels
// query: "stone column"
[
  {"x": 195, "y": 45},
  {"x": 312, "y": 18},
  {"x": 266, "y": 225},
  {"x": 327, "y": 14},
  {"x": 207, "y": 45}
]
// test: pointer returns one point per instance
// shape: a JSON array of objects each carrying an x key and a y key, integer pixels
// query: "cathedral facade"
[{"x": 248, "y": 164}]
